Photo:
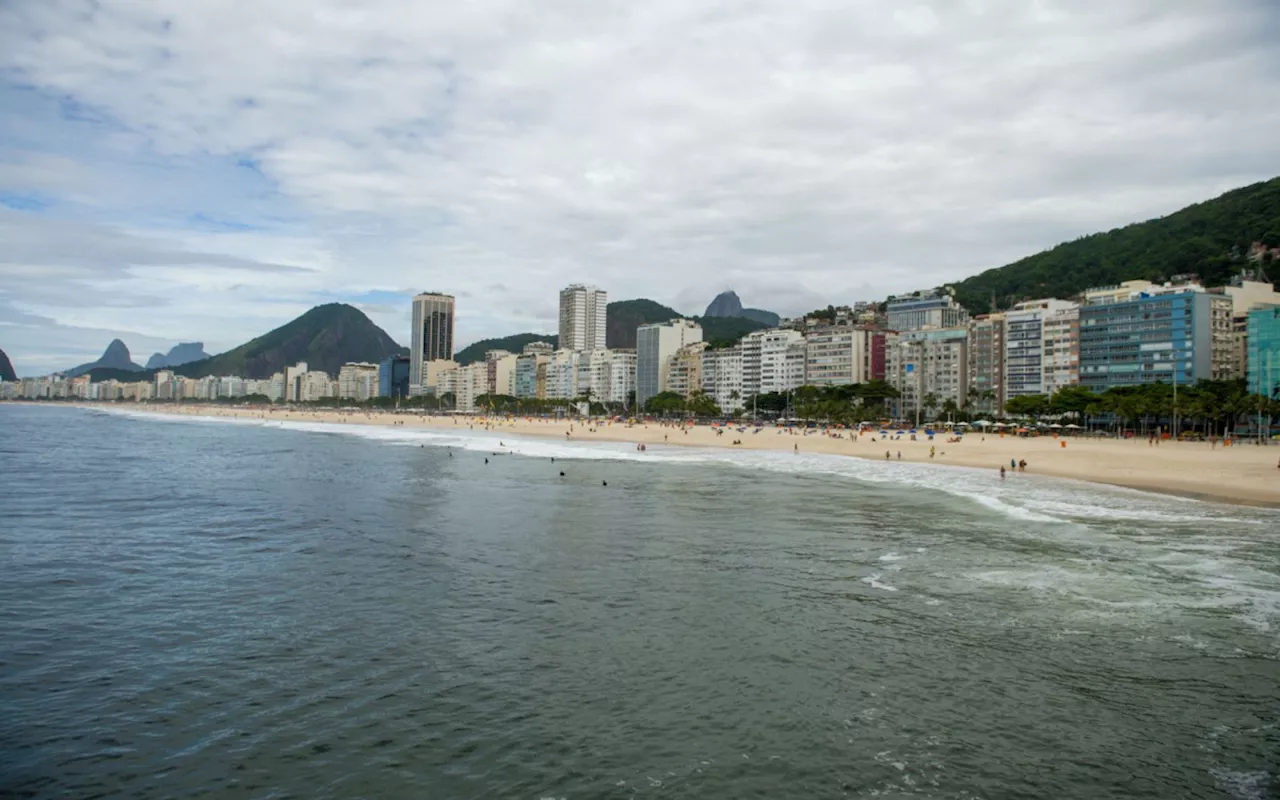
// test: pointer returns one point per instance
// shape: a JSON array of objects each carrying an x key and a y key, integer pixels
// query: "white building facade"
[{"x": 583, "y": 317}]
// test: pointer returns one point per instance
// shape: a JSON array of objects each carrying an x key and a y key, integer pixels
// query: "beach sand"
[{"x": 1242, "y": 473}]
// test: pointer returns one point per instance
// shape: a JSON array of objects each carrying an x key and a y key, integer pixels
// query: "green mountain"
[
  {"x": 326, "y": 337},
  {"x": 1209, "y": 239},
  {"x": 728, "y": 329},
  {"x": 514, "y": 343},
  {"x": 6, "y": 369},
  {"x": 624, "y": 316}
]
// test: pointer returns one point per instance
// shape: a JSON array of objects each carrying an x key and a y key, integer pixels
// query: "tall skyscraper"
[
  {"x": 582, "y": 317},
  {"x": 432, "y": 338}
]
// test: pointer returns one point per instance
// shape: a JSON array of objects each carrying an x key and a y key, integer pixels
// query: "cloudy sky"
[{"x": 208, "y": 169}]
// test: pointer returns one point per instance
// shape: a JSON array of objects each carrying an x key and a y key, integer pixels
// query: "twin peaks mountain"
[
  {"x": 180, "y": 354},
  {"x": 326, "y": 337}
]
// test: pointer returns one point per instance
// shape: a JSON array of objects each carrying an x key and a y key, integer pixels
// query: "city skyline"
[{"x": 150, "y": 190}]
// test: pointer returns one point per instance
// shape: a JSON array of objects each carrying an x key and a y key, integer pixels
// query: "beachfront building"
[
  {"x": 1040, "y": 344},
  {"x": 722, "y": 376},
  {"x": 928, "y": 368},
  {"x": 1168, "y": 334},
  {"x": 1263, "y": 363},
  {"x": 1061, "y": 334},
  {"x": 314, "y": 385},
  {"x": 772, "y": 361},
  {"x": 562, "y": 375},
  {"x": 528, "y": 367},
  {"x": 358, "y": 381},
  {"x": 684, "y": 370},
  {"x": 500, "y": 372},
  {"x": 841, "y": 354},
  {"x": 393, "y": 377},
  {"x": 985, "y": 393},
  {"x": 432, "y": 336},
  {"x": 582, "y": 317},
  {"x": 925, "y": 310},
  {"x": 655, "y": 345},
  {"x": 609, "y": 375},
  {"x": 291, "y": 377},
  {"x": 468, "y": 384}
]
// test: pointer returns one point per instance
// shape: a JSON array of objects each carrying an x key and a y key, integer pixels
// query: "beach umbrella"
[
  {"x": 1072, "y": 426},
  {"x": 1055, "y": 425}
]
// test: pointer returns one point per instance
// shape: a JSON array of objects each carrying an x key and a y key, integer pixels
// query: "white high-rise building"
[
  {"x": 655, "y": 345},
  {"x": 722, "y": 377},
  {"x": 432, "y": 335},
  {"x": 772, "y": 361},
  {"x": 610, "y": 375},
  {"x": 583, "y": 317},
  {"x": 1041, "y": 347}
]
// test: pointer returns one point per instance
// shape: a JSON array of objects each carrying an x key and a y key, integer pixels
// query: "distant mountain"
[
  {"x": 727, "y": 304},
  {"x": 326, "y": 337},
  {"x": 180, "y": 354},
  {"x": 624, "y": 316},
  {"x": 1211, "y": 240},
  {"x": 514, "y": 343},
  {"x": 116, "y": 356},
  {"x": 6, "y": 369},
  {"x": 723, "y": 330}
]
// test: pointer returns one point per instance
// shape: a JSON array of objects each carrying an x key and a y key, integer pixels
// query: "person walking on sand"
[
  {"x": 886, "y": 455},
  {"x": 931, "y": 451},
  {"x": 796, "y": 447},
  {"x": 1002, "y": 472},
  {"x": 899, "y": 455}
]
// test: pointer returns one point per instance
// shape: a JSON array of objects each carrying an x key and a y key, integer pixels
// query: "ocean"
[{"x": 197, "y": 607}]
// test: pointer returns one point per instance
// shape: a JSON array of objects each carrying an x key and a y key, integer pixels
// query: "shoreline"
[{"x": 1243, "y": 474}]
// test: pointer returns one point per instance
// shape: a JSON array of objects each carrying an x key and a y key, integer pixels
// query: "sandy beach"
[{"x": 1242, "y": 473}]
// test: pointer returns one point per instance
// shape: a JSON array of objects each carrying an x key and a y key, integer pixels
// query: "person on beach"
[
  {"x": 899, "y": 455},
  {"x": 887, "y": 455},
  {"x": 1002, "y": 472}
]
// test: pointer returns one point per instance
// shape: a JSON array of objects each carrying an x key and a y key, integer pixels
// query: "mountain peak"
[
  {"x": 326, "y": 337},
  {"x": 6, "y": 369},
  {"x": 179, "y": 354},
  {"x": 726, "y": 304},
  {"x": 116, "y": 356}
]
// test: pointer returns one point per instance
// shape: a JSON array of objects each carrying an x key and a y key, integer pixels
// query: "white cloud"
[{"x": 801, "y": 153}]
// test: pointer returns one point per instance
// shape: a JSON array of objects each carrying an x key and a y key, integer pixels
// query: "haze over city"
[{"x": 207, "y": 171}]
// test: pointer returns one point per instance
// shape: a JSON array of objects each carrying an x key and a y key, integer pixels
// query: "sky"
[{"x": 182, "y": 170}]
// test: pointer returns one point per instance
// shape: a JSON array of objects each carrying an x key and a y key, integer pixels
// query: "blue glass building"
[
  {"x": 393, "y": 377},
  {"x": 1153, "y": 338},
  {"x": 1263, "y": 367}
]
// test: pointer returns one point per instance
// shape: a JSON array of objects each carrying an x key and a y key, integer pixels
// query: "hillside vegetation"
[
  {"x": 514, "y": 343},
  {"x": 1209, "y": 239}
]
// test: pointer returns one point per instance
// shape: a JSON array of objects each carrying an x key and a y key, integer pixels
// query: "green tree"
[
  {"x": 702, "y": 405},
  {"x": 665, "y": 403}
]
